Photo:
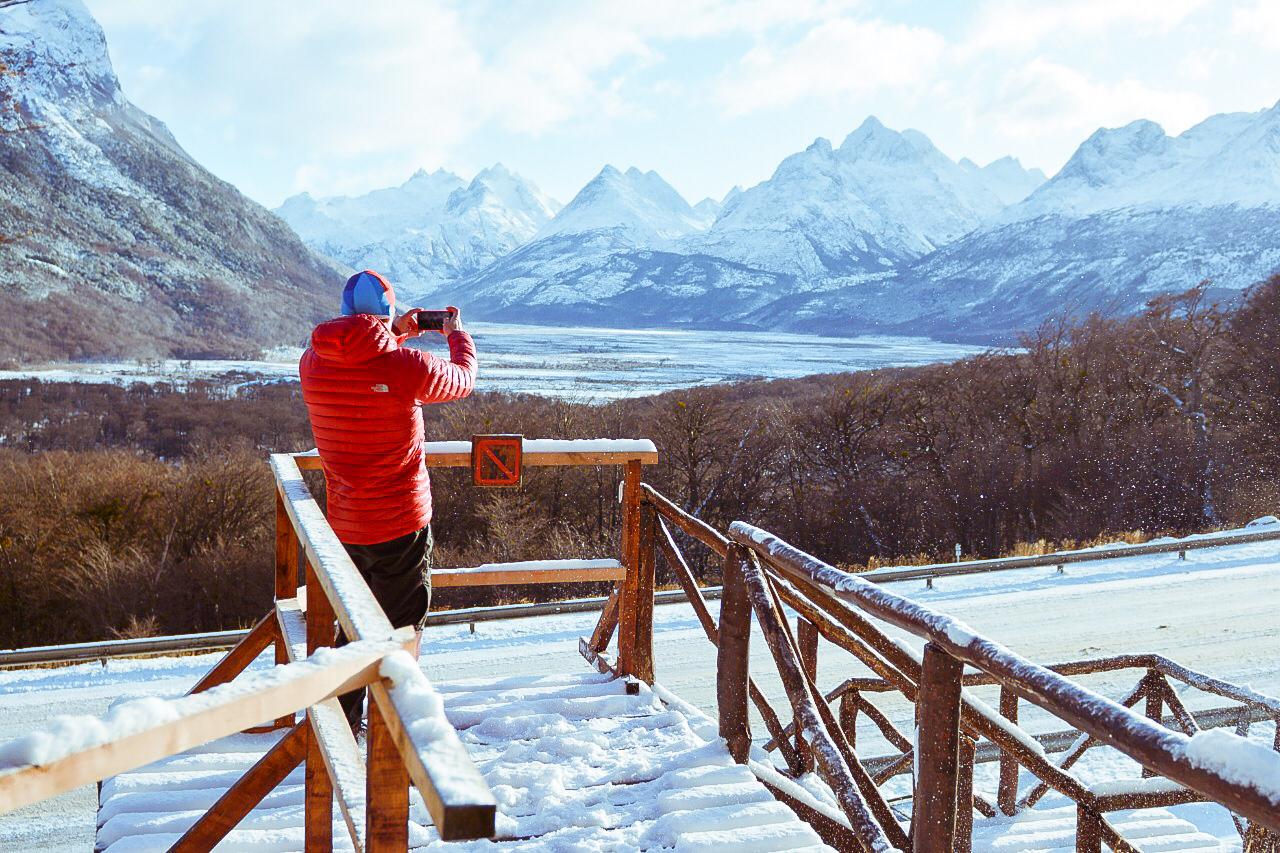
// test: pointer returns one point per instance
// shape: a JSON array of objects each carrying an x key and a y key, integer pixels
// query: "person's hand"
[
  {"x": 453, "y": 323},
  {"x": 407, "y": 323}
]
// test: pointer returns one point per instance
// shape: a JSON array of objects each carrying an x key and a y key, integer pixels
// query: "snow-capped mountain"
[
  {"x": 883, "y": 197},
  {"x": 1006, "y": 178},
  {"x": 614, "y": 241},
  {"x": 430, "y": 230},
  {"x": 643, "y": 208},
  {"x": 1134, "y": 213},
  {"x": 113, "y": 241}
]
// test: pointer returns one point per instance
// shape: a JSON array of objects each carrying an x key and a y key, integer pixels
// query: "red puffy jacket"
[{"x": 363, "y": 391}]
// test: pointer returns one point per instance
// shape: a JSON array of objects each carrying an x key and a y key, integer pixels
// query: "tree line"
[{"x": 148, "y": 509}]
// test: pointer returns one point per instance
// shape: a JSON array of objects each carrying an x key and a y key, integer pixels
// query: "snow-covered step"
[
  {"x": 574, "y": 763},
  {"x": 1053, "y": 830}
]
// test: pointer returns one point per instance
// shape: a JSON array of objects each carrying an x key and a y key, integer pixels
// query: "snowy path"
[
  {"x": 1214, "y": 611},
  {"x": 574, "y": 762}
]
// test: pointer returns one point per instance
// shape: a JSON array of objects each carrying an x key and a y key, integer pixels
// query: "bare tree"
[{"x": 1187, "y": 330}]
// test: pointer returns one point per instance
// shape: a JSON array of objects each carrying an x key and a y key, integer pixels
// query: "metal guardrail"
[
  {"x": 212, "y": 641},
  {"x": 1063, "y": 558},
  {"x": 216, "y": 640}
]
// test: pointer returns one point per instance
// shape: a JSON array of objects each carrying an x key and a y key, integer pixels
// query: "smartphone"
[{"x": 432, "y": 321}]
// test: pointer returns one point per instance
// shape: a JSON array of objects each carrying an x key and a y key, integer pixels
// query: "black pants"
[{"x": 399, "y": 573}]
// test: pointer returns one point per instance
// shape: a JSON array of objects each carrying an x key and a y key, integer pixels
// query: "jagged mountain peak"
[
  {"x": 431, "y": 229},
  {"x": 104, "y": 212},
  {"x": 1227, "y": 159},
  {"x": 64, "y": 51},
  {"x": 642, "y": 206}
]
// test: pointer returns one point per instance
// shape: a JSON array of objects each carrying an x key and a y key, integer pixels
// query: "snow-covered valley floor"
[
  {"x": 1214, "y": 612},
  {"x": 577, "y": 363}
]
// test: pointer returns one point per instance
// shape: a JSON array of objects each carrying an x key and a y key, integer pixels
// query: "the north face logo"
[{"x": 381, "y": 389}]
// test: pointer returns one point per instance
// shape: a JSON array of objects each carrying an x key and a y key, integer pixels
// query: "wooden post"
[
  {"x": 807, "y": 645},
  {"x": 321, "y": 621},
  {"x": 964, "y": 795},
  {"x": 1088, "y": 831},
  {"x": 647, "y": 562},
  {"x": 1155, "y": 706},
  {"x": 933, "y": 823},
  {"x": 318, "y": 796},
  {"x": 732, "y": 657},
  {"x": 286, "y": 579},
  {"x": 1007, "y": 793},
  {"x": 321, "y": 633},
  {"x": 286, "y": 554},
  {"x": 386, "y": 789},
  {"x": 628, "y": 600}
]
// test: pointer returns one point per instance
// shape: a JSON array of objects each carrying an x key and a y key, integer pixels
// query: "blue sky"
[{"x": 339, "y": 98}]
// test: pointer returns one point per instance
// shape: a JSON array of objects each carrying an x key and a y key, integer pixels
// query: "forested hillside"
[{"x": 150, "y": 510}]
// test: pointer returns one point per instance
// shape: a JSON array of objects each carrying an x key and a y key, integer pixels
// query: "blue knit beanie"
[{"x": 368, "y": 293}]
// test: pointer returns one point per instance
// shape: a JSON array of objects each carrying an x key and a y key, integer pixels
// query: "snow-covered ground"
[
  {"x": 1214, "y": 612},
  {"x": 578, "y": 363}
]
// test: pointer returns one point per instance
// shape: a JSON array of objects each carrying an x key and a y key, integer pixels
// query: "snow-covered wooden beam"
[
  {"x": 530, "y": 572},
  {"x": 71, "y": 751},
  {"x": 536, "y": 452}
]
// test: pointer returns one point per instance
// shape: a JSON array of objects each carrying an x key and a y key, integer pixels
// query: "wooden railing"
[
  {"x": 372, "y": 794},
  {"x": 763, "y": 574}
]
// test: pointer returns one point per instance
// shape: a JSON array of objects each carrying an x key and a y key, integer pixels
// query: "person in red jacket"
[{"x": 364, "y": 390}]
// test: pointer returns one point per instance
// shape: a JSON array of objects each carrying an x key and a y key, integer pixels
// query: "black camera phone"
[{"x": 432, "y": 321}]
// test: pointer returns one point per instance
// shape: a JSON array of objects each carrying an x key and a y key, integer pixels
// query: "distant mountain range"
[
  {"x": 886, "y": 234},
  {"x": 113, "y": 241}
]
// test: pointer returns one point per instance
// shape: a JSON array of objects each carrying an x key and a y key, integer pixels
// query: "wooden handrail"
[
  {"x": 456, "y": 795},
  {"x": 201, "y": 718},
  {"x": 1146, "y": 742},
  {"x": 536, "y": 453}
]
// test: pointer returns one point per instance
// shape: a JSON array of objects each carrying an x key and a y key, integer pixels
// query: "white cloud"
[
  {"x": 1025, "y": 24},
  {"x": 1260, "y": 21},
  {"x": 838, "y": 58},
  {"x": 1046, "y": 98}
]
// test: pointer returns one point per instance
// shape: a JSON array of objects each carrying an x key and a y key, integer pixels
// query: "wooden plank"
[
  {"x": 245, "y": 652},
  {"x": 442, "y": 578},
  {"x": 732, "y": 656},
  {"x": 269, "y": 695},
  {"x": 459, "y": 819},
  {"x": 934, "y": 806},
  {"x": 386, "y": 788},
  {"x": 317, "y": 795},
  {"x": 629, "y": 601},
  {"x": 247, "y": 792}
]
